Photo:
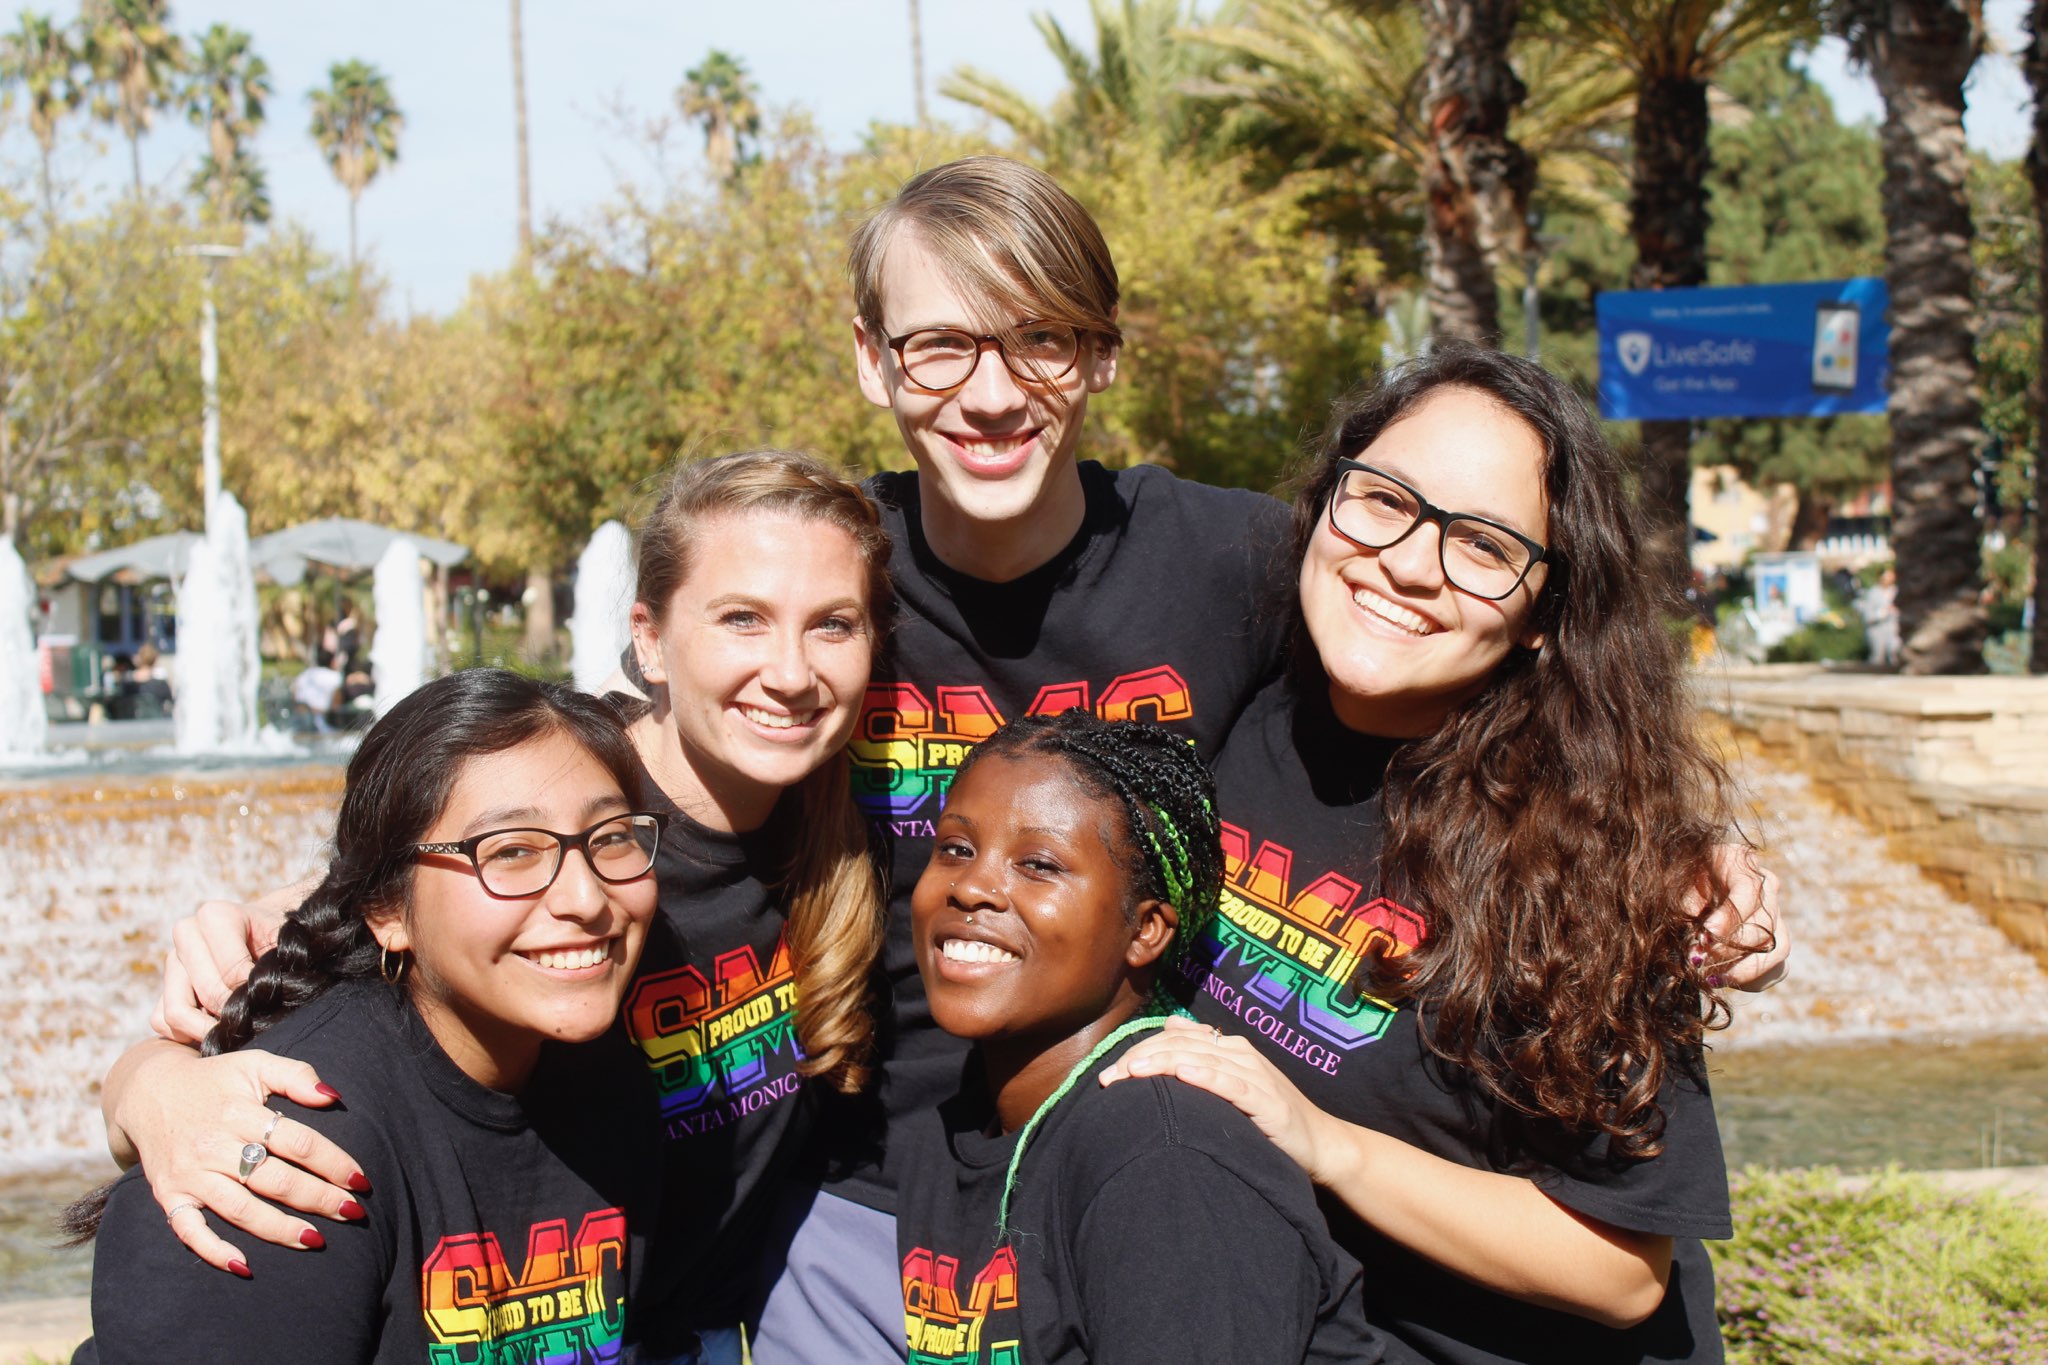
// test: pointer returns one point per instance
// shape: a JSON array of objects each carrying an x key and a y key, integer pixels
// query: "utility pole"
[
  {"x": 916, "y": 58},
  {"x": 1530, "y": 302},
  {"x": 519, "y": 134},
  {"x": 209, "y": 374}
]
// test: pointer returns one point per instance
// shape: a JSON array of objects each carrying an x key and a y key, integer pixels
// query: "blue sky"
[{"x": 446, "y": 210}]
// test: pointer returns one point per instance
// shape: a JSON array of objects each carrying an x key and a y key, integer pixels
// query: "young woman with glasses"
[
  {"x": 762, "y": 592},
  {"x": 1453, "y": 977},
  {"x": 455, "y": 975}
]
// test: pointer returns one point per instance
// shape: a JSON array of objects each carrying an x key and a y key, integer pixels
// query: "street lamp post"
[{"x": 209, "y": 373}]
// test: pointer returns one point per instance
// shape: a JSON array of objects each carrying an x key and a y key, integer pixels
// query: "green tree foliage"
[
  {"x": 1796, "y": 198},
  {"x": 356, "y": 123},
  {"x": 719, "y": 96},
  {"x": 2009, "y": 300},
  {"x": 47, "y": 64},
  {"x": 92, "y": 380},
  {"x": 135, "y": 57},
  {"x": 225, "y": 95}
]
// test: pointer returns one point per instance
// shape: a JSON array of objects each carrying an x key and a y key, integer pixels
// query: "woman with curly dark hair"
[{"x": 1456, "y": 975}]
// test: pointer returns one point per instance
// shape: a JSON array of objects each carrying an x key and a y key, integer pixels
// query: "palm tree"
[
  {"x": 1672, "y": 49},
  {"x": 136, "y": 58},
  {"x": 1141, "y": 81},
  {"x": 238, "y": 192},
  {"x": 225, "y": 94},
  {"x": 1333, "y": 95},
  {"x": 1920, "y": 52},
  {"x": 917, "y": 64},
  {"x": 1477, "y": 180},
  {"x": 719, "y": 94},
  {"x": 356, "y": 123},
  {"x": 43, "y": 60},
  {"x": 2036, "y": 63}
]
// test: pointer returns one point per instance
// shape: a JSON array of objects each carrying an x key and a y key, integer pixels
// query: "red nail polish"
[
  {"x": 325, "y": 1089},
  {"x": 241, "y": 1268},
  {"x": 351, "y": 1209},
  {"x": 311, "y": 1238},
  {"x": 359, "y": 1182}
]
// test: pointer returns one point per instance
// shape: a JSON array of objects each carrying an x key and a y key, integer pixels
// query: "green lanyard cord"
[{"x": 1081, "y": 1067}]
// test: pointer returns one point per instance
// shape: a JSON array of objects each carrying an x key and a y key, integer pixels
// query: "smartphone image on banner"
[{"x": 1835, "y": 331}]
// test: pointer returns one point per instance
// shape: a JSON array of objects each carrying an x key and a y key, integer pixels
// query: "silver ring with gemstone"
[{"x": 253, "y": 1155}]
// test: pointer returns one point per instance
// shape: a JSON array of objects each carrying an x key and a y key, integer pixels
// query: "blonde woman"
[{"x": 762, "y": 591}]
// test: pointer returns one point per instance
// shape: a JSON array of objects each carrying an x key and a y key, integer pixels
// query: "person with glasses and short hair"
[
  {"x": 455, "y": 978},
  {"x": 1456, "y": 975}
]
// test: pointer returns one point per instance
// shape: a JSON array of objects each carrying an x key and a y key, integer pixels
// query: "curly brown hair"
[{"x": 1552, "y": 829}]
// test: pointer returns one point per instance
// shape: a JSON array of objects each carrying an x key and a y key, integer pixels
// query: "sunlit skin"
[
  {"x": 760, "y": 659},
  {"x": 1402, "y": 647},
  {"x": 1049, "y": 954},
  {"x": 996, "y": 456},
  {"x": 475, "y": 977}
]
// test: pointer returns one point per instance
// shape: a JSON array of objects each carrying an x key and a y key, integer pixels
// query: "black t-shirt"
[
  {"x": 498, "y": 1227},
  {"x": 1162, "y": 608},
  {"x": 1150, "y": 1222},
  {"x": 1299, "y": 795},
  {"x": 713, "y": 1010}
]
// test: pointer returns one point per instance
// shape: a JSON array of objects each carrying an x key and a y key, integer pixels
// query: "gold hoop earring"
[{"x": 392, "y": 975}]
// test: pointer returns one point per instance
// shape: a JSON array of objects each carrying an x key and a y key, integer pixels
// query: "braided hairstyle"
[
  {"x": 397, "y": 784},
  {"x": 1171, "y": 847}
]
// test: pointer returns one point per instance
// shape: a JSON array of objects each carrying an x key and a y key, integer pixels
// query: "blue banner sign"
[{"x": 1764, "y": 350}]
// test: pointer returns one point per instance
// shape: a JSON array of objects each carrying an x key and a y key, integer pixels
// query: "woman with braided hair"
[
  {"x": 456, "y": 974},
  {"x": 1042, "y": 1218},
  {"x": 1457, "y": 976},
  {"x": 763, "y": 591}
]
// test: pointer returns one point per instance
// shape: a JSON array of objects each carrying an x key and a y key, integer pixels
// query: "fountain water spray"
[
  {"x": 398, "y": 651},
  {"x": 218, "y": 660},
  {"x": 22, "y": 720},
  {"x": 602, "y": 625}
]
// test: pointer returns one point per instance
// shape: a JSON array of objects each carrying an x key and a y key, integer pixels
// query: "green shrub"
[
  {"x": 1835, "y": 635},
  {"x": 1900, "y": 1272}
]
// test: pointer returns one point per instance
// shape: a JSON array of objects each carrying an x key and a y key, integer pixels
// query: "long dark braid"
[{"x": 398, "y": 782}]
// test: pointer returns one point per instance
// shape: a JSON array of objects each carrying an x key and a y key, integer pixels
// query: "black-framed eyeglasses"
[
  {"x": 1372, "y": 508},
  {"x": 942, "y": 359},
  {"x": 525, "y": 862}
]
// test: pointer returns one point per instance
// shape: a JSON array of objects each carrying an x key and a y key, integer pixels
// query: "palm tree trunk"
[
  {"x": 1920, "y": 62},
  {"x": 1668, "y": 219},
  {"x": 519, "y": 135},
  {"x": 49, "y": 193},
  {"x": 2036, "y": 62},
  {"x": 352, "y": 232},
  {"x": 1477, "y": 181},
  {"x": 135, "y": 162}
]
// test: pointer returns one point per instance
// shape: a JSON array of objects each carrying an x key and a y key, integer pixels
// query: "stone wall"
[{"x": 1953, "y": 770}]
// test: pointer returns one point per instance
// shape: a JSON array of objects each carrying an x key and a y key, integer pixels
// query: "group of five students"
[{"x": 1447, "y": 920}]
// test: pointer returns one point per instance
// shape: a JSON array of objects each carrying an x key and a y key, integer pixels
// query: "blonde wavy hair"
[{"x": 836, "y": 912}]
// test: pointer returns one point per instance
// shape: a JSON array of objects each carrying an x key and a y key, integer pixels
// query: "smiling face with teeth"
[
  {"x": 764, "y": 650},
  {"x": 1057, "y": 952},
  {"x": 1401, "y": 646},
  {"x": 996, "y": 456},
  {"x": 495, "y": 977}
]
